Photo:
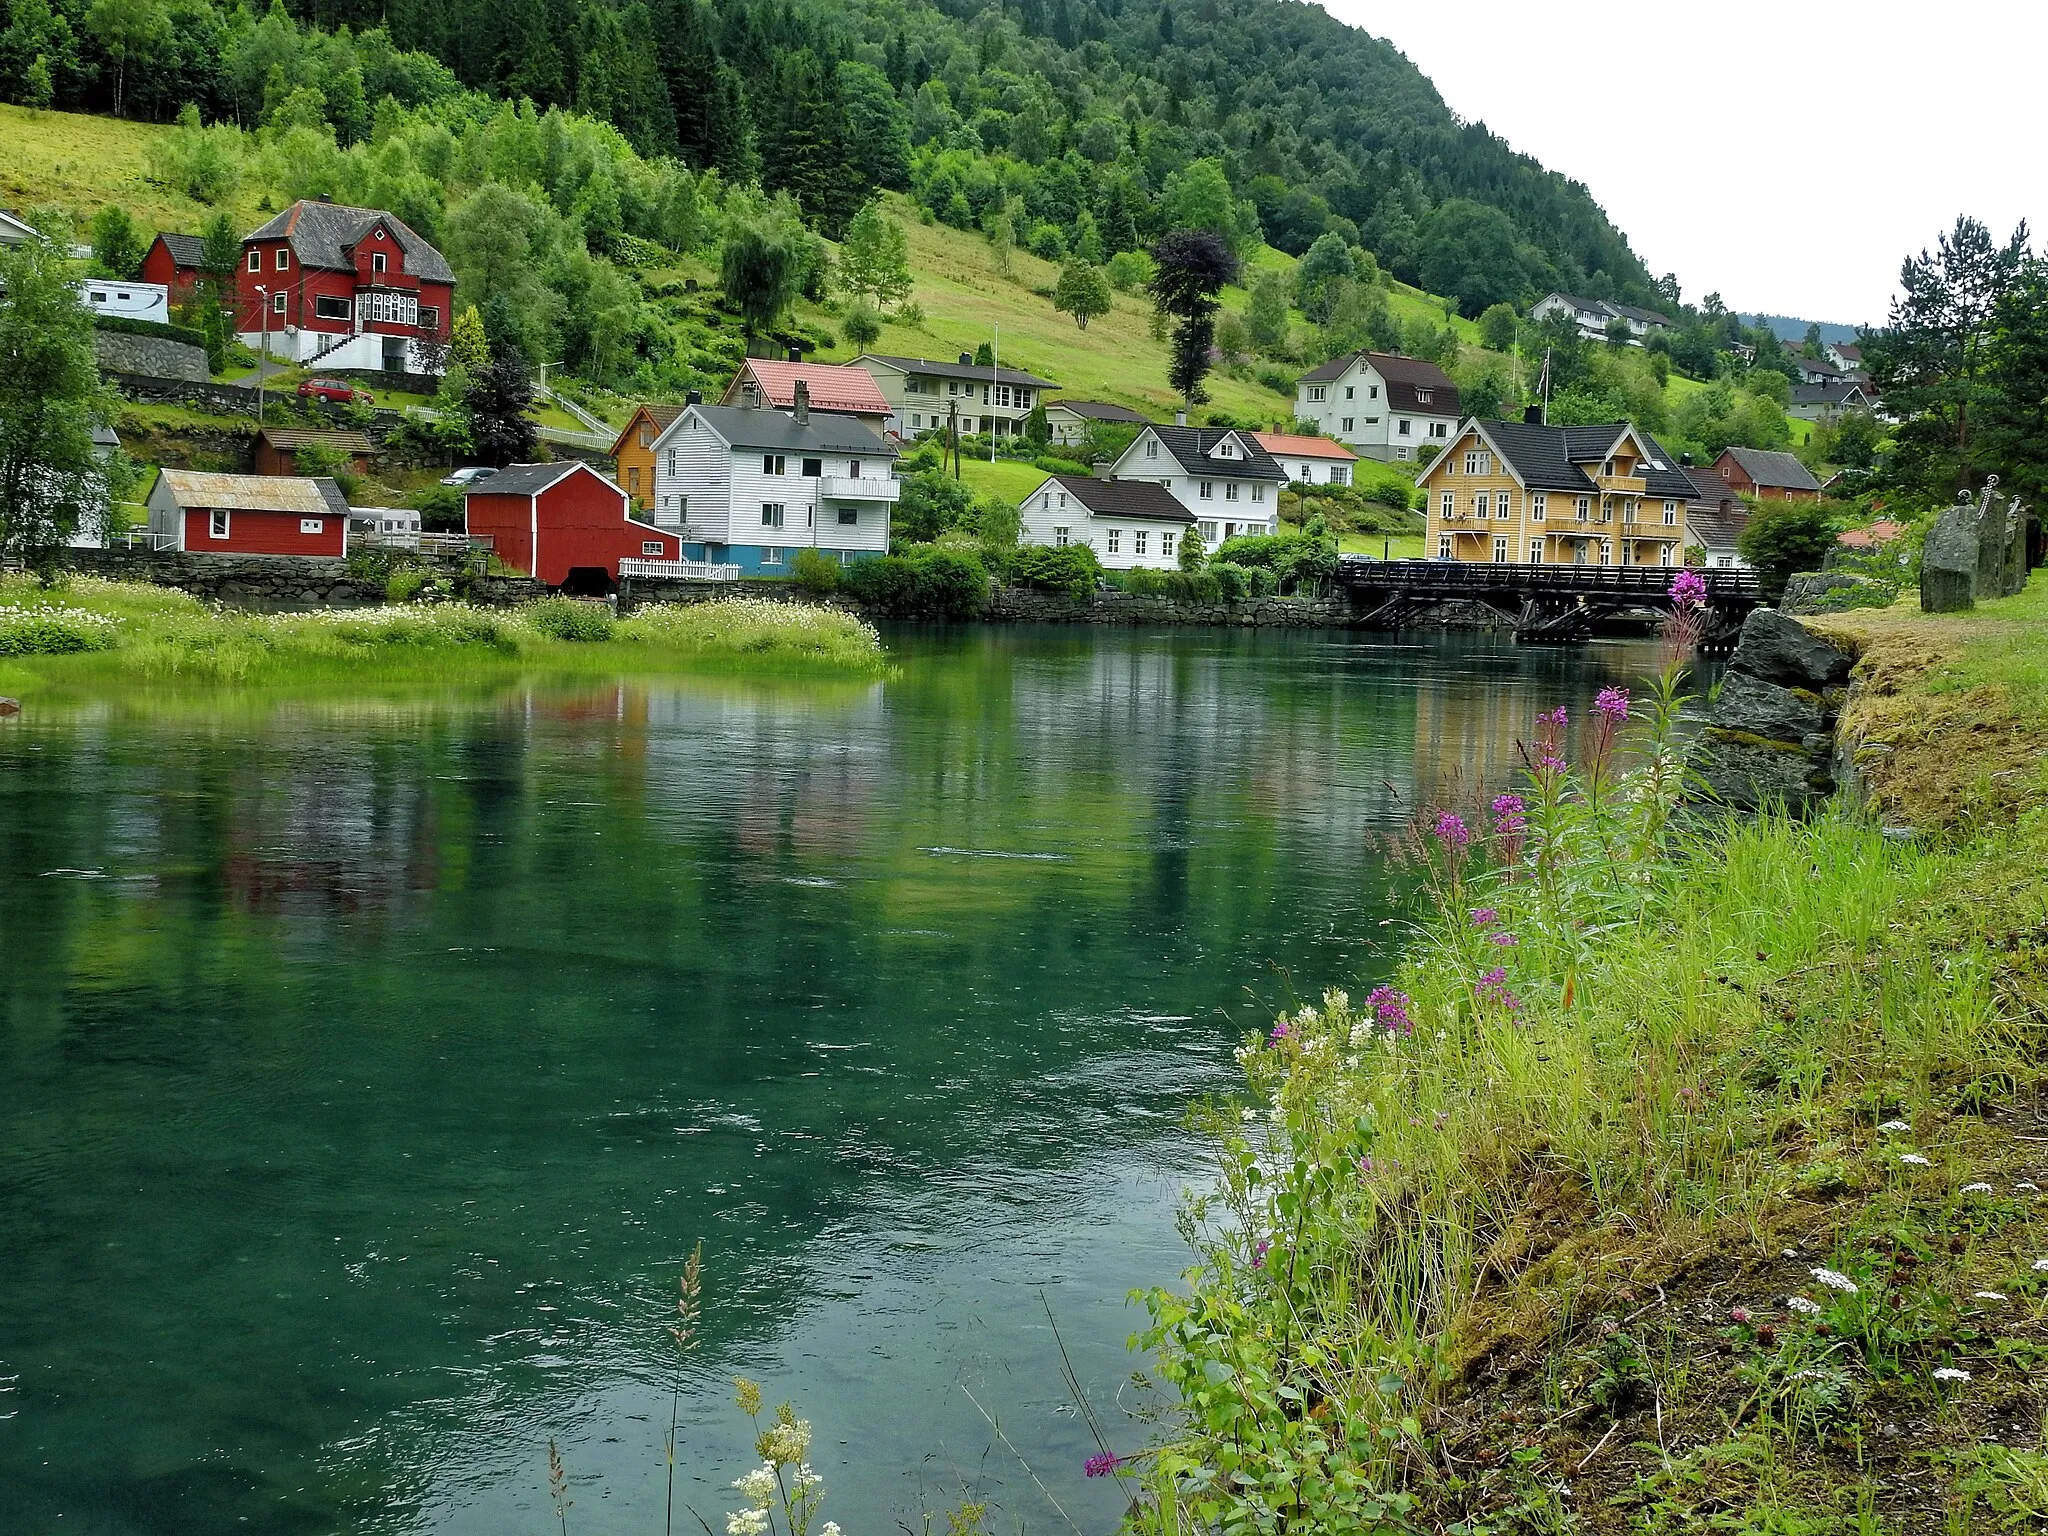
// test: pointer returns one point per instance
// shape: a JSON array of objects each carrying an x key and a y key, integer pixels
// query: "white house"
[
  {"x": 1384, "y": 405},
  {"x": 1221, "y": 475},
  {"x": 1593, "y": 316},
  {"x": 751, "y": 485},
  {"x": 129, "y": 301},
  {"x": 15, "y": 231},
  {"x": 924, "y": 395},
  {"x": 1308, "y": 460},
  {"x": 1069, "y": 420},
  {"x": 1128, "y": 523}
]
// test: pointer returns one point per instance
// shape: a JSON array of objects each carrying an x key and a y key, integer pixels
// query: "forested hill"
[{"x": 1073, "y": 116}]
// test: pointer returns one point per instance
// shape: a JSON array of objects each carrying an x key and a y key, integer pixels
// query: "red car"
[{"x": 334, "y": 389}]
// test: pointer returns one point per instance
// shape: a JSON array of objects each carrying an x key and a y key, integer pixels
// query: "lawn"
[
  {"x": 1011, "y": 479},
  {"x": 79, "y": 163}
]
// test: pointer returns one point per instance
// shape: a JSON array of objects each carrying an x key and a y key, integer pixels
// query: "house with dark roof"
[
  {"x": 1815, "y": 402},
  {"x": 1382, "y": 404},
  {"x": 837, "y": 389},
  {"x": 345, "y": 287},
  {"x": 175, "y": 261},
  {"x": 1714, "y": 520},
  {"x": 1767, "y": 475},
  {"x": 1219, "y": 474},
  {"x": 1593, "y": 316},
  {"x": 1069, "y": 420},
  {"x": 924, "y": 395},
  {"x": 1520, "y": 492},
  {"x": 1128, "y": 523},
  {"x": 15, "y": 231},
  {"x": 278, "y": 448},
  {"x": 749, "y": 485},
  {"x": 1845, "y": 355}
]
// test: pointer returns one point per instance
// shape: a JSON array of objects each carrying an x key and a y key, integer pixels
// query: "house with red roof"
[
  {"x": 833, "y": 389},
  {"x": 345, "y": 287},
  {"x": 1308, "y": 460}
]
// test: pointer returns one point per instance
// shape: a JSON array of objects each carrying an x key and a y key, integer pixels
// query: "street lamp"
[{"x": 263, "y": 360}]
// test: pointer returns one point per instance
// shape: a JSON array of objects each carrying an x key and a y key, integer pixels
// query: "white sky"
[{"x": 1785, "y": 153}]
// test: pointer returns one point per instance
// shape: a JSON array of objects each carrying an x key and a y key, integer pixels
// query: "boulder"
[
  {"x": 1779, "y": 649},
  {"x": 10, "y": 706},
  {"x": 1751, "y": 706},
  {"x": 1745, "y": 772},
  {"x": 1948, "y": 562},
  {"x": 1994, "y": 522},
  {"x": 1834, "y": 592}
]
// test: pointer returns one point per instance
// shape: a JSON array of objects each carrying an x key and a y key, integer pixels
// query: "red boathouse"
[
  {"x": 204, "y": 514},
  {"x": 565, "y": 524}
]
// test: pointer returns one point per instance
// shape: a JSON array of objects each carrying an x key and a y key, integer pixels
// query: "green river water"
[{"x": 368, "y": 1066}]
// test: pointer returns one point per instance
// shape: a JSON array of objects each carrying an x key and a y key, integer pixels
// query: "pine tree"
[
  {"x": 467, "y": 347},
  {"x": 1193, "y": 266},
  {"x": 499, "y": 397}
]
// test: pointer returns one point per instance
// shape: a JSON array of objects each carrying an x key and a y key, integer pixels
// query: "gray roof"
[
  {"x": 981, "y": 373},
  {"x": 331, "y": 492},
  {"x": 1710, "y": 490},
  {"x": 1549, "y": 458},
  {"x": 186, "y": 250},
  {"x": 527, "y": 479},
  {"x": 1408, "y": 378},
  {"x": 1835, "y": 392},
  {"x": 1780, "y": 471},
  {"x": 322, "y": 234},
  {"x": 1141, "y": 500},
  {"x": 1191, "y": 446},
  {"x": 1098, "y": 410},
  {"x": 761, "y": 426},
  {"x": 1713, "y": 529}
]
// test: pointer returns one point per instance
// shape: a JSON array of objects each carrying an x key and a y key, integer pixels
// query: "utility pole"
[
  {"x": 953, "y": 433},
  {"x": 995, "y": 354}
]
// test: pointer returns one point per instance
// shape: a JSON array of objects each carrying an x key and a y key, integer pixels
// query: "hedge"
[{"x": 189, "y": 335}]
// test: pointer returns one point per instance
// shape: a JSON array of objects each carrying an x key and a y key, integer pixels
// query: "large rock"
[
  {"x": 1948, "y": 561},
  {"x": 1747, "y": 773},
  {"x": 1834, "y": 592},
  {"x": 1994, "y": 525},
  {"x": 1779, "y": 649},
  {"x": 1753, "y": 707}
]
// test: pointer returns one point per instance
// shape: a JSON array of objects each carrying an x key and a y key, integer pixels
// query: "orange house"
[{"x": 633, "y": 453}]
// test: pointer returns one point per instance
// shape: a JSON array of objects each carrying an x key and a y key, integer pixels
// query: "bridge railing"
[{"x": 1476, "y": 575}]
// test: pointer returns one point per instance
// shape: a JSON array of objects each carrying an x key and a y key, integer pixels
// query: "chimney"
[
  {"x": 1532, "y": 415},
  {"x": 966, "y": 359},
  {"x": 325, "y": 197},
  {"x": 694, "y": 397},
  {"x": 1103, "y": 468},
  {"x": 1685, "y": 461},
  {"x": 796, "y": 354},
  {"x": 802, "y": 408},
  {"x": 1180, "y": 418}
]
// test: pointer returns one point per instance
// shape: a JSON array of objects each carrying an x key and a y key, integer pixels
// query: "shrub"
[
  {"x": 930, "y": 584},
  {"x": 190, "y": 335},
  {"x": 1052, "y": 464},
  {"x": 1072, "y": 569},
  {"x": 1180, "y": 586},
  {"x": 1290, "y": 559},
  {"x": 1786, "y": 536},
  {"x": 1232, "y": 581},
  {"x": 815, "y": 572},
  {"x": 568, "y": 618}
]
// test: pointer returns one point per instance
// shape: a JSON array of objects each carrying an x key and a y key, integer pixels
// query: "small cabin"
[{"x": 207, "y": 514}]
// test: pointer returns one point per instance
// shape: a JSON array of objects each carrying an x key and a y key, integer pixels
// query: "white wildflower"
[
  {"x": 1979, "y": 1188},
  {"x": 1802, "y": 1306},
  {"x": 1251, "y": 1114},
  {"x": 1244, "y": 1053},
  {"x": 1989, "y": 1296},
  {"x": 748, "y": 1522},
  {"x": 1895, "y": 1126},
  {"x": 1835, "y": 1280},
  {"x": 1278, "y": 1113},
  {"x": 1916, "y": 1160},
  {"x": 2031, "y": 1188},
  {"x": 829, "y": 1528},
  {"x": 758, "y": 1485},
  {"x": 805, "y": 1479},
  {"x": 2041, "y": 1266},
  {"x": 1336, "y": 1001},
  {"x": 1950, "y": 1373},
  {"x": 788, "y": 1442}
]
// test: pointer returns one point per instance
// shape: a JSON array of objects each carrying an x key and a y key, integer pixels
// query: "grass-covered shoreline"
[
  {"x": 1681, "y": 1180},
  {"x": 89, "y": 635}
]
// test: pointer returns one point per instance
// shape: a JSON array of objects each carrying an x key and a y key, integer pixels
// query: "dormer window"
[
  {"x": 376, "y": 261},
  {"x": 1424, "y": 396}
]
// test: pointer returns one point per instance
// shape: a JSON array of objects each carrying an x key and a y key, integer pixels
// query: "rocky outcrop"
[
  {"x": 1772, "y": 738},
  {"x": 1835, "y": 592}
]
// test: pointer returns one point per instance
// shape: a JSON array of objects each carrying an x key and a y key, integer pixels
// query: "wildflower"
[
  {"x": 1988, "y": 1296},
  {"x": 788, "y": 1440},
  {"x": 1688, "y": 589},
  {"x": 1506, "y": 809},
  {"x": 1738, "y": 1314},
  {"x": 1493, "y": 988},
  {"x": 1259, "y": 1254},
  {"x": 1484, "y": 917},
  {"x": 1251, "y": 1114},
  {"x": 1281, "y": 1031},
  {"x": 1950, "y": 1373},
  {"x": 1803, "y": 1306},
  {"x": 1916, "y": 1160},
  {"x": 1612, "y": 704},
  {"x": 1102, "y": 1465},
  {"x": 1895, "y": 1126},
  {"x": 1388, "y": 1008},
  {"x": 1365, "y": 1167},
  {"x": 748, "y": 1522},
  {"x": 1442, "y": 1119},
  {"x": 830, "y": 1528},
  {"x": 758, "y": 1485},
  {"x": 1836, "y": 1280},
  {"x": 1977, "y": 1189},
  {"x": 1505, "y": 940},
  {"x": 1556, "y": 717},
  {"x": 1451, "y": 831}
]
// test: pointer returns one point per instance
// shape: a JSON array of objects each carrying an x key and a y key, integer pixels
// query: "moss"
[{"x": 1750, "y": 739}]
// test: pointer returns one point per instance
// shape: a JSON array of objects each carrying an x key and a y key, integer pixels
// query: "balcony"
[{"x": 862, "y": 488}]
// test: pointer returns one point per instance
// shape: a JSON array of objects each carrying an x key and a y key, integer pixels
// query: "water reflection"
[{"x": 379, "y": 1060}]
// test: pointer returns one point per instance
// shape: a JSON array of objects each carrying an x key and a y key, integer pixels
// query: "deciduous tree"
[
  {"x": 1082, "y": 292},
  {"x": 51, "y": 482}
]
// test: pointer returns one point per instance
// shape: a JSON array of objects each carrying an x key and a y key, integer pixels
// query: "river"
[{"x": 368, "y": 1066}]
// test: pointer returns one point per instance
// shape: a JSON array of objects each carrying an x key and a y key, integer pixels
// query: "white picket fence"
[{"x": 679, "y": 570}]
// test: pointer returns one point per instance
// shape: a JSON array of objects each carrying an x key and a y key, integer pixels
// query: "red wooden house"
[
  {"x": 348, "y": 287},
  {"x": 1767, "y": 475},
  {"x": 176, "y": 261},
  {"x": 564, "y": 524},
  {"x": 205, "y": 514}
]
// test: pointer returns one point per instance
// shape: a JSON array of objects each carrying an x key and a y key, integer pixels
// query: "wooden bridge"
[{"x": 1539, "y": 602}]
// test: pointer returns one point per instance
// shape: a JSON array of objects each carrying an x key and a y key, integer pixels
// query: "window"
[
  {"x": 671, "y": 461},
  {"x": 1443, "y": 546},
  {"x": 1500, "y": 551},
  {"x": 1060, "y": 536},
  {"x": 217, "y": 524},
  {"x": 1372, "y": 392},
  {"x": 1113, "y": 540},
  {"x": 1350, "y": 423},
  {"x": 771, "y": 514},
  {"x": 1446, "y": 505},
  {"x": 771, "y": 464},
  {"x": 1664, "y": 554},
  {"x": 1404, "y": 427},
  {"x": 1339, "y": 475},
  {"x": 1208, "y": 531},
  {"x": 917, "y": 422},
  {"x": 1439, "y": 429},
  {"x": 1482, "y": 506},
  {"x": 1318, "y": 392},
  {"x": 813, "y": 468},
  {"x": 255, "y": 261},
  {"x": 1404, "y": 454},
  {"x": 771, "y": 555},
  {"x": 1670, "y": 514},
  {"x": 653, "y": 549},
  {"x": 331, "y": 306},
  {"x": 1535, "y": 551},
  {"x": 395, "y": 308},
  {"x": 430, "y": 319},
  {"x": 952, "y": 386},
  {"x": 1230, "y": 490},
  {"x": 1166, "y": 545},
  {"x": 1480, "y": 463},
  {"x": 284, "y": 259},
  {"x": 1139, "y": 539},
  {"x": 1207, "y": 490},
  {"x": 1226, "y": 449},
  {"x": 1151, "y": 447},
  {"x": 277, "y": 303},
  {"x": 1063, "y": 501},
  {"x": 1500, "y": 505},
  {"x": 1583, "y": 507},
  {"x": 1258, "y": 493},
  {"x": 1538, "y": 505},
  {"x": 647, "y": 435},
  {"x": 1606, "y": 553},
  {"x": 376, "y": 261},
  {"x": 1350, "y": 393},
  {"x": 633, "y": 478},
  {"x": 853, "y": 469},
  {"x": 312, "y": 525},
  {"x": 849, "y": 517}
]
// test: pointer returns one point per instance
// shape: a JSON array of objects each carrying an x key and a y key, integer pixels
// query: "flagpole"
[{"x": 995, "y": 355}]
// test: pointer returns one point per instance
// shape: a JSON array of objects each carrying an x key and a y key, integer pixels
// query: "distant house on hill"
[
  {"x": 1593, "y": 316},
  {"x": 207, "y": 514},
  {"x": 1767, "y": 475},
  {"x": 1069, "y": 420},
  {"x": 1382, "y": 404},
  {"x": 924, "y": 395},
  {"x": 1816, "y": 370},
  {"x": 1816, "y": 402},
  {"x": 1128, "y": 523},
  {"x": 176, "y": 261},
  {"x": 14, "y": 231},
  {"x": 1221, "y": 475},
  {"x": 1308, "y": 460},
  {"x": 345, "y": 287},
  {"x": 832, "y": 389},
  {"x": 1845, "y": 355}
]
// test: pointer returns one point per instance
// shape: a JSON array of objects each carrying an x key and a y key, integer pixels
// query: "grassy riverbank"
[
  {"x": 1675, "y": 1184},
  {"x": 92, "y": 635}
]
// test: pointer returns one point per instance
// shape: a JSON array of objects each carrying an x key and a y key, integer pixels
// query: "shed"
[
  {"x": 277, "y": 449},
  {"x": 207, "y": 514},
  {"x": 565, "y": 524}
]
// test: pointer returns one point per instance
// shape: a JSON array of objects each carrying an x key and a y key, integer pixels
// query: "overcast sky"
[{"x": 1785, "y": 153}]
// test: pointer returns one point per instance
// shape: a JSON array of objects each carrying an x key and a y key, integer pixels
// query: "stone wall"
[
  {"x": 151, "y": 356},
  {"x": 275, "y": 583},
  {"x": 197, "y": 393},
  {"x": 1772, "y": 736},
  {"x": 1015, "y": 605}
]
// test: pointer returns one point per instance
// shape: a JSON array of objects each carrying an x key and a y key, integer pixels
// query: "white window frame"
[
  {"x": 377, "y": 261},
  {"x": 1444, "y": 545},
  {"x": 1535, "y": 551},
  {"x": 774, "y": 514},
  {"x": 1670, "y": 514},
  {"x": 312, "y": 525},
  {"x": 1230, "y": 490},
  {"x": 1112, "y": 541},
  {"x": 1151, "y": 447},
  {"x": 1582, "y": 508},
  {"x": 1258, "y": 493},
  {"x": 1318, "y": 393},
  {"x": 277, "y": 302},
  {"x": 1447, "y": 505},
  {"x": 1206, "y": 490},
  {"x": 1482, "y": 505},
  {"x": 771, "y": 554},
  {"x": 1062, "y": 537},
  {"x": 255, "y": 261},
  {"x": 1166, "y": 544},
  {"x": 217, "y": 523},
  {"x": 774, "y": 464},
  {"x": 849, "y": 517},
  {"x": 284, "y": 258},
  {"x": 1404, "y": 427},
  {"x": 1500, "y": 551},
  {"x": 1539, "y": 506},
  {"x": 652, "y": 549},
  {"x": 1139, "y": 539}
]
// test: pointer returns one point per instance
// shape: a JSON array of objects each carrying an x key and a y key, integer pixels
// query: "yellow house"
[
  {"x": 633, "y": 453},
  {"x": 1518, "y": 492}
]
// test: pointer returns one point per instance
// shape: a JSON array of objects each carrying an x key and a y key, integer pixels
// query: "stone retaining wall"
[
  {"x": 118, "y": 352},
  {"x": 1016, "y": 605},
  {"x": 274, "y": 583},
  {"x": 1772, "y": 736}
]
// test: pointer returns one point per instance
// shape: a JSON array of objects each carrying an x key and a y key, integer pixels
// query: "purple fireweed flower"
[
  {"x": 1365, "y": 1167},
  {"x": 1450, "y": 830},
  {"x": 1612, "y": 705},
  {"x": 1388, "y": 1009},
  {"x": 1484, "y": 917},
  {"x": 1503, "y": 939},
  {"x": 1507, "y": 809},
  {"x": 1688, "y": 589},
  {"x": 1494, "y": 977},
  {"x": 1492, "y": 987},
  {"x": 1281, "y": 1031},
  {"x": 1102, "y": 1465},
  {"x": 1556, "y": 717},
  {"x": 1259, "y": 1254}
]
